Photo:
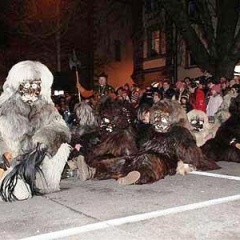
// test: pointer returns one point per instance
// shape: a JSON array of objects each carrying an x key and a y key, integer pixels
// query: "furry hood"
[{"x": 27, "y": 70}]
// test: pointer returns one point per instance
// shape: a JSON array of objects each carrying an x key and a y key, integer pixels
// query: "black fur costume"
[
  {"x": 223, "y": 146},
  {"x": 116, "y": 127}
]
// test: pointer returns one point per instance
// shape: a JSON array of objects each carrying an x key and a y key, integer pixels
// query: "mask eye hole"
[
  {"x": 194, "y": 121},
  {"x": 106, "y": 120},
  {"x": 27, "y": 85},
  {"x": 34, "y": 86},
  {"x": 163, "y": 120},
  {"x": 201, "y": 122}
]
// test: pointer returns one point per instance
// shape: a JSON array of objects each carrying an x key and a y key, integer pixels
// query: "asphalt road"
[{"x": 201, "y": 205}]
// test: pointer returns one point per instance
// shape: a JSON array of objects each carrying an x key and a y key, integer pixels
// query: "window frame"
[{"x": 160, "y": 41}]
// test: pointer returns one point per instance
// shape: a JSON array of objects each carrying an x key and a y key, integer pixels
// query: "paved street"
[{"x": 204, "y": 205}]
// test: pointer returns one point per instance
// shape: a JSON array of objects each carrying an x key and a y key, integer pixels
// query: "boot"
[
  {"x": 84, "y": 171},
  {"x": 130, "y": 178}
]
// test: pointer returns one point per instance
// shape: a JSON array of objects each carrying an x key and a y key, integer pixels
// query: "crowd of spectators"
[{"x": 205, "y": 94}]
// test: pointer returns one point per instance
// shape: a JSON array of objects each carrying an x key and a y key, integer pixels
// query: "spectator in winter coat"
[
  {"x": 214, "y": 102},
  {"x": 197, "y": 97},
  {"x": 181, "y": 90},
  {"x": 166, "y": 91}
]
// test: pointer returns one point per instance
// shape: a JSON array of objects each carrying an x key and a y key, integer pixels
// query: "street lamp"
[{"x": 237, "y": 70}]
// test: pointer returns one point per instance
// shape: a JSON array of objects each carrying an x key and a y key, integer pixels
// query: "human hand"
[
  {"x": 5, "y": 161},
  {"x": 78, "y": 146},
  {"x": 237, "y": 145}
]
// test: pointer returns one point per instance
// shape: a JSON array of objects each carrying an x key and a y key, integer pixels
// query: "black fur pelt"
[
  {"x": 157, "y": 158},
  {"x": 223, "y": 146},
  {"x": 26, "y": 169},
  {"x": 187, "y": 150},
  {"x": 144, "y": 130},
  {"x": 121, "y": 143}
]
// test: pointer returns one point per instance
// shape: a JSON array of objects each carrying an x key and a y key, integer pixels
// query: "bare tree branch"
[{"x": 179, "y": 15}]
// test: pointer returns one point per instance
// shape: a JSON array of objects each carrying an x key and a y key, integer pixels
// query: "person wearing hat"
[
  {"x": 103, "y": 88},
  {"x": 214, "y": 102}
]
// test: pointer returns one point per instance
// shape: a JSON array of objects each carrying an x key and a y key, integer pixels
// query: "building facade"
[
  {"x": 136, "y": 42},
  {"x": 113, "y": 46}
]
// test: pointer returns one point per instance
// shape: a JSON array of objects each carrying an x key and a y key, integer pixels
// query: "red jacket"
[{"x": 198, "y": 100}]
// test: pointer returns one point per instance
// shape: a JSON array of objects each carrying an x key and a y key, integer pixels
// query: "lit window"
[{"x": 156, "y": 43}]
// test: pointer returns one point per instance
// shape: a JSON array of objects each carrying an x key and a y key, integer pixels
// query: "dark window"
[
  {"x": 192, "y": 9},
  {"x": 190, "y": 61},
  {"x": 151, "y": 6}
]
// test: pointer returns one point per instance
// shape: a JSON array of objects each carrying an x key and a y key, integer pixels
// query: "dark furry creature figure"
[
  {"x": 117, "y": 133},
  {"x": 226, "y": 144},
  {"x": 28, "y": 118},
  {"x": 185, "y": 143}
]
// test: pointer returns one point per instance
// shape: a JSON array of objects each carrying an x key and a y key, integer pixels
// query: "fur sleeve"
[
  {"x": 3, "y": 147},
  {"x": 53, "y": 133}
]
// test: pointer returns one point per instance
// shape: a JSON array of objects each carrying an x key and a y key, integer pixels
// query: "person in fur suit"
[
  {"x": 225, "y": 146},
  {"x": 84, "y": 136},
  {"x": 32, "y": 133},
  {"x": 116, "y": 125},
  {"x": 170, "y": 149}
]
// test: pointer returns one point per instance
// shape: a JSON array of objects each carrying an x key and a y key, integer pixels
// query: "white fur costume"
[{"x": 23, "y": 125}]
